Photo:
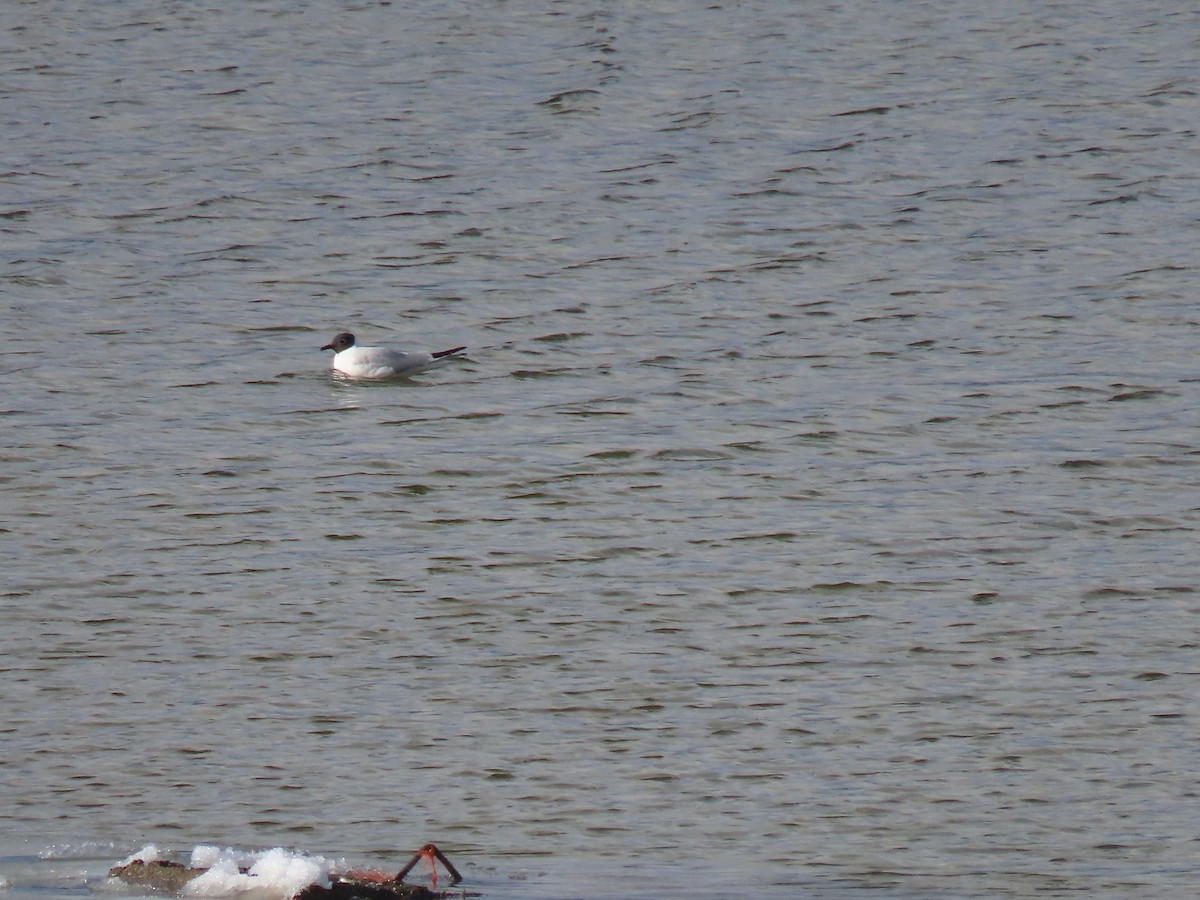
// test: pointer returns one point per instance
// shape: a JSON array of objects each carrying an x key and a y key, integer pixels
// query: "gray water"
[{"x": 814, "y": 516}]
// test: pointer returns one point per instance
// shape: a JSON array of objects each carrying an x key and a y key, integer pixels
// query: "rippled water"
[{"x": 815, "y": 515}]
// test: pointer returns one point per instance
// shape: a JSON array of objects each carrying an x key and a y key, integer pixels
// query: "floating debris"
[{"x": 190, "y": 880}]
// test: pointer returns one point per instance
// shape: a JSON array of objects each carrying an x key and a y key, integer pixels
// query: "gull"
[{"x": 380, "y": 362}]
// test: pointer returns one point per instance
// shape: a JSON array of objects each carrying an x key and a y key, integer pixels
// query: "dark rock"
[
  {"x": 351, "y": 889},
  {"x": 160, "y": 874}
]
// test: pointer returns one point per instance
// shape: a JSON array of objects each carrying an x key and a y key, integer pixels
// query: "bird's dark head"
[{"x": 343, "y": 341}]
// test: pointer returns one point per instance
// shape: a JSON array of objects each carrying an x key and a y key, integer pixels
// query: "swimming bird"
[{"x": 380, "y": 362}]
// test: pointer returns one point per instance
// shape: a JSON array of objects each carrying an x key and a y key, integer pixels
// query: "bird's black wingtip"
[{"x": 442, "y": 354}]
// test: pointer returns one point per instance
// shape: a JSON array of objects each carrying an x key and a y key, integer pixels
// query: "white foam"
[
  {"x": 84, "y": 848},
  {"x": 290, "y": 872},
  {"x": 275, "y": 872},
  {"x": 205, "y": 856},
  {"x": 147, "y": 854}
]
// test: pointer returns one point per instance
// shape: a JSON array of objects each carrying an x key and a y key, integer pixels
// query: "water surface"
[{"x": 815, "y": 514}]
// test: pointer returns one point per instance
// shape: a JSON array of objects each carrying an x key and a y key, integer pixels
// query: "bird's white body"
[{"x": 380, "y": 362}]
